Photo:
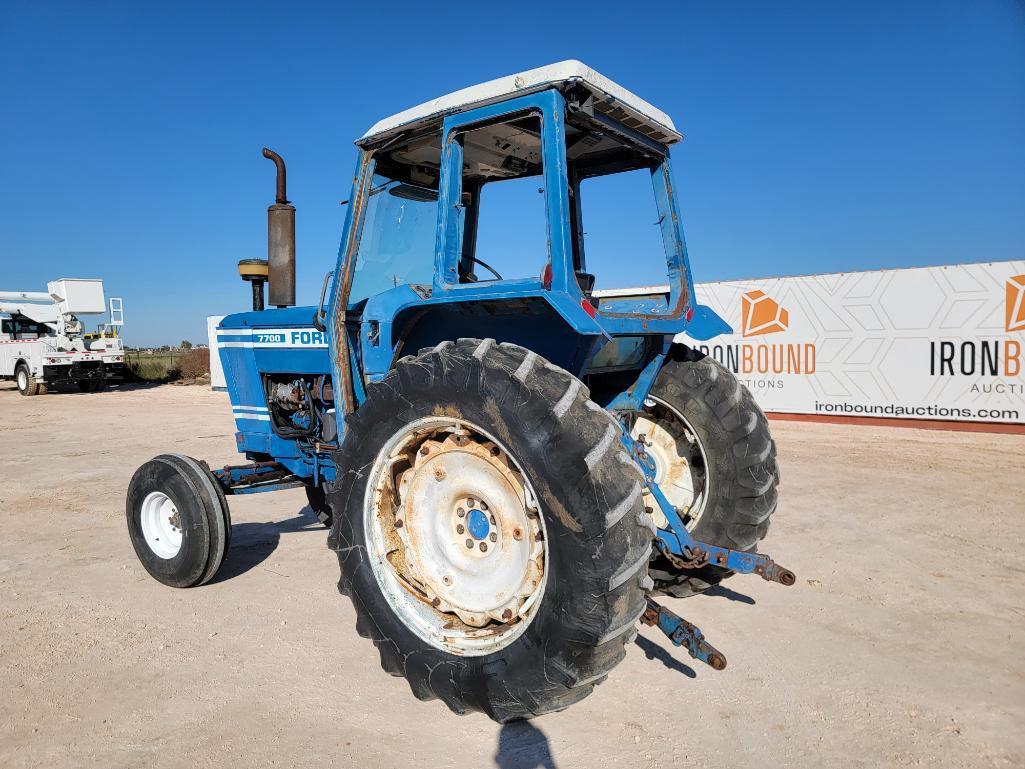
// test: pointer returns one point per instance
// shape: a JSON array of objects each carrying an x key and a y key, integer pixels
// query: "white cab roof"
[{"x": 610, "y": 99}]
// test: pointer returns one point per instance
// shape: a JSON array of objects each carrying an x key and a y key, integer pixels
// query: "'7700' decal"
[{"x": 278, "y": 337}]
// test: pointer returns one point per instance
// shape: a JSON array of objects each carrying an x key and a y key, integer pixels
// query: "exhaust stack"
[{"x": 280, "y": 241}]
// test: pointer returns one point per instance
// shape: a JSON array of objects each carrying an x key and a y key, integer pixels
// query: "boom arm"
[{"x": 30, "y": 305}]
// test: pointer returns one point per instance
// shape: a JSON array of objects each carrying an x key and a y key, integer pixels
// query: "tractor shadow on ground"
[
  {"x": 655, "y": 652},
  {"x": 521, "y": 745},
  {"x": 252, "y": 543},
  {"x": 719, "y": 591}
]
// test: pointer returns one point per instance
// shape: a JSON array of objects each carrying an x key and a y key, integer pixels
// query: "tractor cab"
[{"x": 496, "y": 208}]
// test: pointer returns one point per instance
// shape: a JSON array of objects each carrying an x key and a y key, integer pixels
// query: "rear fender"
[{"x": 706, "y": 324}]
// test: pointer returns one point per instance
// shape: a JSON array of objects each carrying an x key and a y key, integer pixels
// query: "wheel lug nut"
[
  {"x": 447, "y": 580},
  {"x": 460, "y": 512},
  {"x": 398, "y": 523},
  {"x": 517, "y": 534},
  {"x": 469, "y": 543},
  {"x": 460, "y": 529},
  {"x": 425, "y": 450},
  {"x": 439, "y": 474},
  {"x": 484, "y": 547},
  {"x": 493, "y": 537},
  {"x": 469, "y": 501},
  {"x": 483, "y": 506}
]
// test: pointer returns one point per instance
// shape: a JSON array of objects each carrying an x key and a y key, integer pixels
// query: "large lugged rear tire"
[
  {"x": 538, "y": 424},
  {"x": 739, "y": 455}
]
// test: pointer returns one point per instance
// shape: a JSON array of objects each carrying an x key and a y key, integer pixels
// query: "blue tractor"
[{"x": 511, "y": 466}]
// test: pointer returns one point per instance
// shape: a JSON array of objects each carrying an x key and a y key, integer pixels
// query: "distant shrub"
[
  {"x": 153, "y": 369},
  {"x": 194, "y": 363}
]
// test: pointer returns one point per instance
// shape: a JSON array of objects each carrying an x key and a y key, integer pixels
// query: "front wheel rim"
[
  {"x": 456, "y": 536},
  {"x": 161, "y": 525},
  {"x": 22, "y": 380}
]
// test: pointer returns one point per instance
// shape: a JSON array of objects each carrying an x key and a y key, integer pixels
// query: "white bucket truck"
[{"x": 43, "y": 341}]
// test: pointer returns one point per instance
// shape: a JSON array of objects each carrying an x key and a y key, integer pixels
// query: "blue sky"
[{"x": 818, "y": 136}]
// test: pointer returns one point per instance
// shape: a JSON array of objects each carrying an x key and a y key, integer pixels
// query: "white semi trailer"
[{"x": 43, "y": 341}]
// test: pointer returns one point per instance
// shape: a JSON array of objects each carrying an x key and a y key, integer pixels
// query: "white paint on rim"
[
  {"x": 161, "y": 525},
  {"x": 22, "y": 379}
]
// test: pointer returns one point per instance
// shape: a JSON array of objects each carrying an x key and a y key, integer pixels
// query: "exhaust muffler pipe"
[{"x": 280, "y": 241}]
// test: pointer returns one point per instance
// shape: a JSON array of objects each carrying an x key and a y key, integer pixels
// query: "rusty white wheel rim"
[
  {"x": 681, "y": 469},
  {"x": 456, "y": 536}
]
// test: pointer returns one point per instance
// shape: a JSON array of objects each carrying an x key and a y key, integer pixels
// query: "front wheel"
[
  {"x": 178, "y": 520},
  {"x": 490, "y": 531},
  {"x": 715, "y": 461},
  {"x": 317, "y": 497}
]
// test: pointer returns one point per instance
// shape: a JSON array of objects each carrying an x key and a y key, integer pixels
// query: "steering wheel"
[{"x": 487, "y": 267}]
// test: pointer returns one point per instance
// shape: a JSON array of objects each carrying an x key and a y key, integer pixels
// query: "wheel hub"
[{"x": 477, "y": 524}]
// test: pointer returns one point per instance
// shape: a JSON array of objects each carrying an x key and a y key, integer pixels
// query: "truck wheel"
[
  {"x": 715, "y": 462},
  {"x": 178, "y": 520},
  {"x": 27, "y": 384},
  {"x": 319, "y": 504},
  {"x": 490, "y": 530}
]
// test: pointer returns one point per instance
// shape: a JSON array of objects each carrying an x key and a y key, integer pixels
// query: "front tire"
[
  {"x": 178, "y": 520},
  {"x": 587, "y": 535},
  {"x": 723, "y": 451},
  {"x": 317, "y": 498}
]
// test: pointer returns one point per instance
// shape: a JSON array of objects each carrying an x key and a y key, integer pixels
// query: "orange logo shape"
[
  {"x": 1014, "y": 309},
  {"x": 762, "y": 314}
]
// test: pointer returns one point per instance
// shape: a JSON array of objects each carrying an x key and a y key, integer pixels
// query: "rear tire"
[
  {"x": 572, "y": 630},
  {"x": 742, "y": 473},
  {"x": 28, "y": 385},
  {"x": 178, "y": 520}
]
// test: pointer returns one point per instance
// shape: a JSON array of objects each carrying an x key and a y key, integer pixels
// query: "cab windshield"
[{"x": 401, "y": 217}]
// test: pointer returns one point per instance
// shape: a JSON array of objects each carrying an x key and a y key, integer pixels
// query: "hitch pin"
[
  {"x": 771, "y": 571},
  {"x": 683, "y": 633}
]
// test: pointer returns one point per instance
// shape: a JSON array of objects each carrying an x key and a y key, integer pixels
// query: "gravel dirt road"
[{"x": 901, "y": 645}]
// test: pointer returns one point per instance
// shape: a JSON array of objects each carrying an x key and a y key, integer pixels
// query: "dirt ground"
[{"x": 901, "y": 645}]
